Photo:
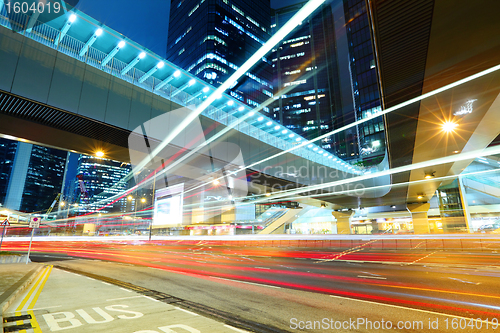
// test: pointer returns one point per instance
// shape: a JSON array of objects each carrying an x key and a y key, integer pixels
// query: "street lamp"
[
  {"x": 449, "y": 126},
  {"x": 99, "y": 153}
]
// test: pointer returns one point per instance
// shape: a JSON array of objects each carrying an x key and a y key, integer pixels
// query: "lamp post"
[
  {"x": 131, "y": 198},
  {"x": 153, "y": 207}
]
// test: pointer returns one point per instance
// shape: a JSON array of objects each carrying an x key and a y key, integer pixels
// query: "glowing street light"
[
  {"x": 99, "y": 154},
  {"x": 129, "y": 198},
  {"x": 143, "y": 200},
  {"x": 429, "y": 175},
  {"x": 449, "y": 126}
]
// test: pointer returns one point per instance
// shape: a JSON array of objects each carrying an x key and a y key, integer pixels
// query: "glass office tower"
[
  {"x": 36, "y": 177},
  {"x": 371, "y": 134},
  {"x": 7, "y": 154},
  {"x": 213, "y": 38},
  {"x": 101, "y": 179},
  {"x": 305, "y": 76}
]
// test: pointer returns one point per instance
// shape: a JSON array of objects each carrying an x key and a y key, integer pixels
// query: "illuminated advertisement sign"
[{"x": 169, "y": 206}]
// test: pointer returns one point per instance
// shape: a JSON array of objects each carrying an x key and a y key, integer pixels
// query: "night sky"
[{"x": 145, "y": 22}]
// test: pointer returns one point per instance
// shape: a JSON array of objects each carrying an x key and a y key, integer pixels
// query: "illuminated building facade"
[
  {"x": 36, "y": 177},
  {"x": 101, "y": 178},
  {"x": 213, "y": 38},
  {"x": 325, "y": 78},
  {"x": 371, "y": 134},
  {"x": 7, "y": 154},
  {"x": 305, "y": 76}
]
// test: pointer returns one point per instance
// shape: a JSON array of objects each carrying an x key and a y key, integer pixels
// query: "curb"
[
  {"x": 13, "y": 259},
  {"x": 17, "y": 289}
]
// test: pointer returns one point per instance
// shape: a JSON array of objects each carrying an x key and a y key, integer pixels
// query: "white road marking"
[
  {"x": 151, "y": 298},
  {"x": 405, "y": 308},
  {"x": 262, "y": 267},
  {"x": 424, "y": 257},
  {"x": 372, "y": 277},
  {"x": 47, "y": 307},
  {"x": 129, "y": 291},
  {"x": 105, "y": 283},
  {"x": 476, "y": 283},
  {"x": 371, "y": 273},
  {"x": 191, "y": 313},
  {"x": 117, "y": 299},
  {"x": 235, "y": 329},
  {"x": 255, "y": 284}
]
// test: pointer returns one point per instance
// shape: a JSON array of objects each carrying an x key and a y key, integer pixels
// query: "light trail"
[
  {"x": 442, "y": 160},
  {"x": 345, "y": 286},
  {"x": 288, "y": 27},
  {"x": 391, "y": 109}
]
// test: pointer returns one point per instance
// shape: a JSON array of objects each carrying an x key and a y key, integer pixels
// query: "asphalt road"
[{"x": 287, "y": 289}]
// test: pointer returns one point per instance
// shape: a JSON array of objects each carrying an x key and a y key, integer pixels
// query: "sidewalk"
[
  {"x": 15, "y": 278},
  {"x": 61, "y": 300}
]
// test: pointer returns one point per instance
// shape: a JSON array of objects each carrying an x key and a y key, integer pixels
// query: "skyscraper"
[
  {"x": 101, "y": 179},
  {"x": 325, "y": 78},
  {"x": 305, "y": 75},
  {"x": 7, "y": 154},
  {"x": 36, "y": 177},
  {"x": 362, "y": 65},
  {"x": 212, "y": 38}
]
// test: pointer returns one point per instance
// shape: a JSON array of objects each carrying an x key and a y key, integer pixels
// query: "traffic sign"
[
  {"x": 5, "y": 223},
  {"x": 35, "y": 222}
]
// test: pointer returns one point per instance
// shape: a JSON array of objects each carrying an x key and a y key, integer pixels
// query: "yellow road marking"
[
  {"x": 34, "y": 322},
  {"x": 39, "y": 276},
  {"x": 40, "y": 283},
  {"x": 33, "y": 302}
]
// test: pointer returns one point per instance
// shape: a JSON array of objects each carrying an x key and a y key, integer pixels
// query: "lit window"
[
  {"x": 293, "y": 72},
  {"x": 239, "y": 11},
  {"x": 294, "y": 83}
]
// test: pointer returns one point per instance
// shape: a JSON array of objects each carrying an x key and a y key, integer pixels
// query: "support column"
[
  {"x": 465, "y": 205},
  {"x": 419, "y": 217},
  {"x": 343, "y": 221}
]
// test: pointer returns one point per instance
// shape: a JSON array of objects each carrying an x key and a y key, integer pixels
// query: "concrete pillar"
[
  {"x": 343, "y": 221},
  {"x": 465, "y": 205},
  {"x": 419, "y": 217}
]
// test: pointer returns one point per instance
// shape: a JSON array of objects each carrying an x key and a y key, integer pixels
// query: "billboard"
[{"x": 168, "y": 208}]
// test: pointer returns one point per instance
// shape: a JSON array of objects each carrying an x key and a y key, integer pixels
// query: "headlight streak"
[
  {"x": 391, "y": 109},
  {"x": 396, "y": 107},
  {"x": 162, "y": 169},
  {"x": 142, "y": 258},
  {"x": 288, "y": 27},
  {"x": 443, "y": 160},
  {"x": 346, "y": 192}
]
